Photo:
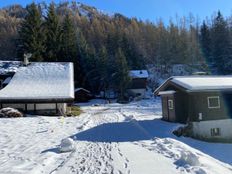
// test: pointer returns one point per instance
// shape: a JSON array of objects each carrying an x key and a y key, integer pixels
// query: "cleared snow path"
[{"x": 109, "y": 139}]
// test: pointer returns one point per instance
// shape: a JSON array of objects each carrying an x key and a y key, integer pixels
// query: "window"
[
  {"x": 214, "y": 102},
  {"x": 170, "y": 104},
  {"x": 215, "y": 132}
]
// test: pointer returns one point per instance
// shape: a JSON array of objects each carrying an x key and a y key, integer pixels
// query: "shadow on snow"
[
  {"x": 148, "y": 129},
  {"x": 126, "y": 131}
]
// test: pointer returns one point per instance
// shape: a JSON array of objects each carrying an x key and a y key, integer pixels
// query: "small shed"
[
  {"x": 82, "y": 95},
  {"x": 40, "y": 88},
  {"x": 203, "y": 101},
  {"x": 137, "y": 87}
]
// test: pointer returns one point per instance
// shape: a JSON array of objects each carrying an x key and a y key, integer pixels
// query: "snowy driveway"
[{"x": 110, "y": 138}]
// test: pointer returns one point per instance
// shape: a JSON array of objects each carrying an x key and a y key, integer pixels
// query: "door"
[
  {"x": 171, "y": 109},
  {"x": 165, "y": 107}
]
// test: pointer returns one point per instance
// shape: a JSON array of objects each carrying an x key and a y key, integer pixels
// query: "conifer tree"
[
  {"x": 103, "y": 67},
  {"x": 221, "y": 45},
  {"x": 122, "y": 78},
  {"x": 53, "y": 34},
  {"x": 206, "y": 41},
  {"x": 68, "y": 40},
  {"x": 31, "y": 33}
]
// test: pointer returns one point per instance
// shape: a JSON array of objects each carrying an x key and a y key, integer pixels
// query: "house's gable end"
[{"x": 169, "y": 85}]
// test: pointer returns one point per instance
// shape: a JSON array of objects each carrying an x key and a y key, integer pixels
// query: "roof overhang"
[
  {"x": 170, "y": 92},
  {"x": 37, "y": 100},
  {"x": 166, "y": 83}
]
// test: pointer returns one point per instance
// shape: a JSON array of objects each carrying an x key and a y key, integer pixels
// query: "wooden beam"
[
  {"x": 34, "y": 108},
  {"x": 56, "y": 109}
]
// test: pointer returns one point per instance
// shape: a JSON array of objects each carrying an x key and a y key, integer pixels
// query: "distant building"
[
  {"x": 137, "y": 87},
  {"x": 41, "y": 88},
  {"x": 82, "y": 95},
  {"x": 203, "y": 101}
]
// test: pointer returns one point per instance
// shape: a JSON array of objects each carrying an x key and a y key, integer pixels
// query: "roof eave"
[{"x": 38, "y": 100}]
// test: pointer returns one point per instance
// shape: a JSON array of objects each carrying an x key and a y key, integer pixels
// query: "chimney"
[{"x": 26, "y": 59}]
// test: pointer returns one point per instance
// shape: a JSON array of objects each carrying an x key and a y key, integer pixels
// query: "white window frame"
[
  {"x": 170, "y": 104},
  {"x": 215, "y": 132},
  {"x": 214, "y": 97}
]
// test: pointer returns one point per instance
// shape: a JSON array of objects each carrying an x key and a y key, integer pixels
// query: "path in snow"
[{"x": 109, "y": 139}]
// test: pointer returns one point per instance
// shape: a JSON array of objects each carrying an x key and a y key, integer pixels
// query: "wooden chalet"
[
  {"x": 137, "y": 87},
  {"x": 203, "y": 101},
  {"x": 82, "y": 95},
  {"x": 40, "y": 88}
]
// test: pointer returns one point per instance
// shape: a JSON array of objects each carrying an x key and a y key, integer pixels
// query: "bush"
[{"x": 74, "y": 111}]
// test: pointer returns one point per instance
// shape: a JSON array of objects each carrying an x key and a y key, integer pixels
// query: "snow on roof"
[
  {"x": 204, "y": 82},
  {"x": 79, "y": 89},
  {"x": 7, "y": 80},
  {"x": 41, "y": 81},
  {"x": 9, "y": 66},
  {"x": 166, "y": 92},
  {"x": 138, "y": 73}
]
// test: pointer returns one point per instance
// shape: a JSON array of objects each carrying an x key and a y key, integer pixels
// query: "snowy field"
[{"x": 109, "y": 139}]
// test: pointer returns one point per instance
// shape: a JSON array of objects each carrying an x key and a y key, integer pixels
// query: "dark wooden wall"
[{"x": 198, "y": 103}]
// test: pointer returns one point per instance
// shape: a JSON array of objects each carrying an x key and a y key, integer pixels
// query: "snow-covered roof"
[
  {"x": 9, "y": 66},
  {"x": 138, "y": 73},
  {"x": 204, "y": 82},
  {"x": 7, "y": 80},
  {"x": 41, "y": 81},
  {"x": 79, "y": 89},
  {"x": 199, "y": 83}
]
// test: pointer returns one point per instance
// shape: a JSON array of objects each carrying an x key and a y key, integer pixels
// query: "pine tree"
[
  {"x": 103, "y": 68},
  {"x": 206, "y": 42},
  {"x": 31, "y": 34},
  {"x": 133, "y": 57},
  {"x": 68, "y": 44},
  {"x": 122, "y": 78},
  {"x": 221, "y": 45},
  {"x": 53, "y": 34}
]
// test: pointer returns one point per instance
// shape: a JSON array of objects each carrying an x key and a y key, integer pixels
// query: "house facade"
[
  {"x": 205, "y": 102},
  {"x": 137, "y": 87},
  {"x": 82, "y": 95},
  {"x": 40, "y": 88}
]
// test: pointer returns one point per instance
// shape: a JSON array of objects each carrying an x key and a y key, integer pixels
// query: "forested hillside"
[{"x": 105, "y": 46}]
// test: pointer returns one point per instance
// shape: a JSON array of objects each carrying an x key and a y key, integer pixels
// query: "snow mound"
[
  {"x": 189, "y": 158},
  {"x": 129, "y": 118},
  {"x": 10, "y": 112},
  {"x": 67, "y": 145}
]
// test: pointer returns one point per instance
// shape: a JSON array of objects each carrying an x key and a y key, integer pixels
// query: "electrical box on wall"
[{"x": 199, "y": 116}]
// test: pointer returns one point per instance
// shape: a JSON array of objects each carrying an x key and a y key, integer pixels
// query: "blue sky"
[{"x": 152, "y": 9}]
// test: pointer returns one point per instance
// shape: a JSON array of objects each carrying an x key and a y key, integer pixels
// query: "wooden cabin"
[
  {"x": 82, "y": 95},
  {"x": 203, "y": 101},
  {"x": 138, "y": 85},
  {"x": 40, "y": 88}
]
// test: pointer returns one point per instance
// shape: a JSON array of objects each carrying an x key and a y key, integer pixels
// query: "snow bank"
[{"x": 188, "y": 157}]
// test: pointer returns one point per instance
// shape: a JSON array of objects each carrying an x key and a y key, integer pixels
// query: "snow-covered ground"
[{"x": 109, "y": 138}]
